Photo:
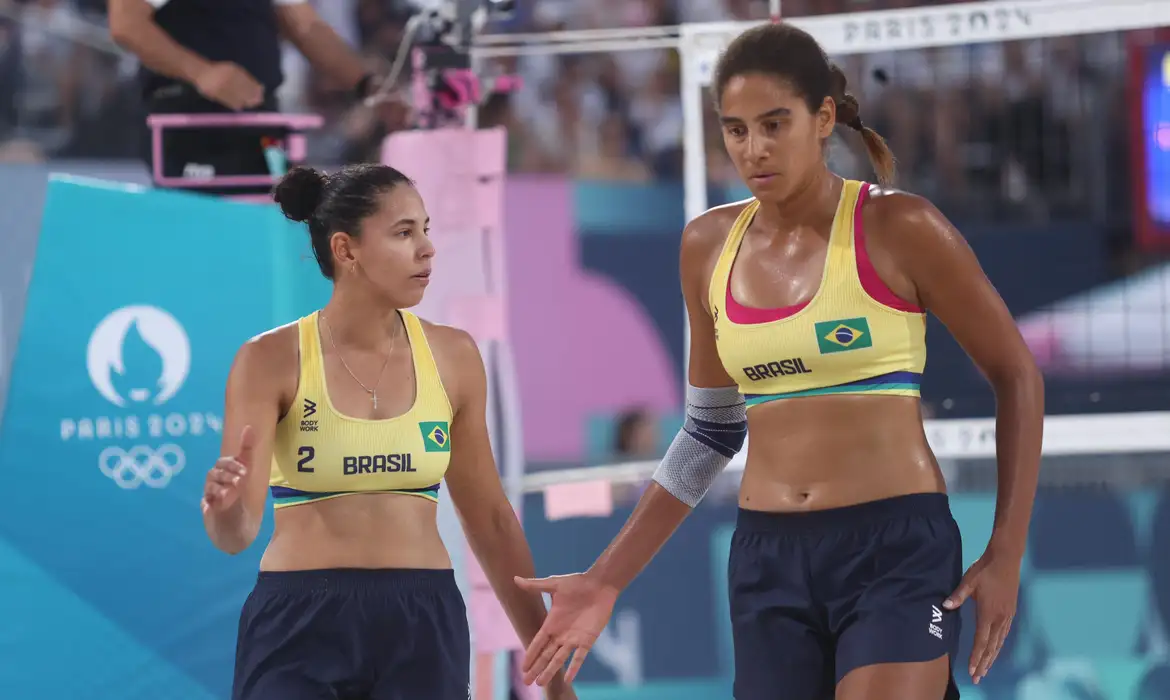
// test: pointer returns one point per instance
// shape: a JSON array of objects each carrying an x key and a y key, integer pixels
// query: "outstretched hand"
[
  {"x": 221, "y": 490},
  {"x": 560, "y": 691},
  {"x": 581, "y": 608},
  {"x": 994, "y": 584}
]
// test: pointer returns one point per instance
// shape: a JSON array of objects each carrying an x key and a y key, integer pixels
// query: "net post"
[
  {"x": 694, "y": 152},
  {"x": 774, "y": 10}
]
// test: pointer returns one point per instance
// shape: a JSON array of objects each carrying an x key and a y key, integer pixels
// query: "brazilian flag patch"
[
  {"x": 436, "y": 436},
  {"x": 842, "y": 335}
]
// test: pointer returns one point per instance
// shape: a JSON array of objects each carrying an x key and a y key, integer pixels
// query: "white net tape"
[
  {"x": 939, "y": 25},
  {"x": 974, "y": 438},
  {"x": 857, "y": 32}
]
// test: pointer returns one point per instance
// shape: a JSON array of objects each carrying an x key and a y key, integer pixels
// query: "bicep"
[
  {"x": 252, "y": 399},
  {"x": 952, "y": 285},
  {"x": 295, "y": 17},
  {"x": 472, "y": 477},
  {"x": 704, "y": 368},
  {"x": 124, "y": 13}
]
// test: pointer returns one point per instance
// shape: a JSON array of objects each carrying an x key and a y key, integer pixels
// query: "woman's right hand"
[
  {"x": 230, "y": 85},
  {"x": 581, "y": 608},
  {"x": 222, "y": 488}
]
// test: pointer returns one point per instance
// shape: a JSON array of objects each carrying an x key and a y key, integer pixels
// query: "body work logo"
[
  {"x": 308, "y": 423},
  {"x": 138, "y": 359}
]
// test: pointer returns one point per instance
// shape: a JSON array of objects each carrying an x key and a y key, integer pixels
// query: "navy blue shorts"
[
  {"x": 353, "y": 634},
  {"x": 815, "y": 595}
]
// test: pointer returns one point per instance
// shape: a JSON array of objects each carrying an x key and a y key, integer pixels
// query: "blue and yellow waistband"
[
  {"x": 283, "y": 496},
  {"x": 893, "y": 384}
]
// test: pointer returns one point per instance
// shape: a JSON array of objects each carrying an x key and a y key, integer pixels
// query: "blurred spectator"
[
  {"x": 636, "y": 435},
  {"x": 612, "y": 159},
  {"x": 10, "y": 74},
  {"x": 20, "y": 151},
  {"x": 636, "y": 438},
  {"x": 1030, "y": 129},
  {"x": 51, "y": 66}
]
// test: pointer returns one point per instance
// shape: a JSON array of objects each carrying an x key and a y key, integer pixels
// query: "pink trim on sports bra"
[
  {"x": 871, "y": 282},
  {"x": 747, "y": 315}
]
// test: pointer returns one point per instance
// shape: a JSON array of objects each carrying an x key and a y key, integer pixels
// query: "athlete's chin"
[
  {"x": 404, "y": 296},
  {"x": 411, "y": 295},
  {"x": 766, "y": 187}
]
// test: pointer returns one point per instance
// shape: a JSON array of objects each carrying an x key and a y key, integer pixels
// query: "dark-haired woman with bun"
[
  {"x": 351, "y": 418},
  {"x": 807, "y": 307}
]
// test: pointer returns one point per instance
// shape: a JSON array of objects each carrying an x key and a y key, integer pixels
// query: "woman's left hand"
[{"x": 994, "y": 583}]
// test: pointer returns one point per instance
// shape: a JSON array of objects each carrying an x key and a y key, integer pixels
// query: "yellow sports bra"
[
  {"x": 854, "y": 336},
  {"x": 320, "y": 453}
]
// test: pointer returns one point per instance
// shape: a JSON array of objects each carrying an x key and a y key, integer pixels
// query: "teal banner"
[{"x": 138, "y": 302}]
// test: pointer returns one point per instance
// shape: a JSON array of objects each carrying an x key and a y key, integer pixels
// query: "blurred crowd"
[{"x": 1022, "y": 130}]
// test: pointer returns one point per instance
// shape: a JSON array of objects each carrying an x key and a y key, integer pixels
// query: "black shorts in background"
[{"x": 354, "y": 634}]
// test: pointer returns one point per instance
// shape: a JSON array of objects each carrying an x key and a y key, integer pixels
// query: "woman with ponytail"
[{"x": 807, "y": 307}]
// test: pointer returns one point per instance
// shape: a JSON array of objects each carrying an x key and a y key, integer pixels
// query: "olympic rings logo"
[{"x": 141, "y": 464}]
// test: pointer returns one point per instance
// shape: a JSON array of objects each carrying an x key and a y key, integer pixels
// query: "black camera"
[
  {"x": 443, "y": 35},
  {"x": 500, "y": 9}
]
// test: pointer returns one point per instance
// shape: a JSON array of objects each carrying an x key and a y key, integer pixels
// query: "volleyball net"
[{"x": 1121, "y": 448}]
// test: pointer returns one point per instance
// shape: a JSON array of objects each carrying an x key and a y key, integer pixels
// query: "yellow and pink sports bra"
[{"x": 855, "y": 336}]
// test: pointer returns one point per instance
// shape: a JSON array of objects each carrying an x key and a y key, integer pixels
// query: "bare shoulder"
[
  {"x": 905, "y": 223},
  {"x": 450, "y": 341},
  {"x": 273, "y": 353},
  {"x": 457, "y": 358},
  {"x": 702, "y": 241},
  {"x": 268, "y": 366},
  {"x": 710, "y": 229}
]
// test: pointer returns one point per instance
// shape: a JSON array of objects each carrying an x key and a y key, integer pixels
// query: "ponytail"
[{"x": 849, "y": 113}]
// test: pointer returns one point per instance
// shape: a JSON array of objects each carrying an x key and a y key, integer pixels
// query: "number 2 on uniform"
[{"x": 306, "y": 453}]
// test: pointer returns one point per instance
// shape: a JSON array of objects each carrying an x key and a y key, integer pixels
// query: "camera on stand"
[{"x": 445, "y": 81}]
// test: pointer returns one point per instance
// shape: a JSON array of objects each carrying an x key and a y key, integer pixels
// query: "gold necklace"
[{"x": 372, "y": 391}]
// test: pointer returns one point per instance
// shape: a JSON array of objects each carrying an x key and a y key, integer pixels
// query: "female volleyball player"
[
  {"x": 807, "y": 303},
  {"x": 353, "y": 416}
]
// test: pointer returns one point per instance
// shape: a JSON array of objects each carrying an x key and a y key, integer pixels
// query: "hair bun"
[{"x": 299, "y": 192}]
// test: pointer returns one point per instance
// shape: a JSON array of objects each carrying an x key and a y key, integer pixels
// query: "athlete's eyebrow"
[
  {"x": 778, "y": 112},
  {"x": 412, "y": 222}
]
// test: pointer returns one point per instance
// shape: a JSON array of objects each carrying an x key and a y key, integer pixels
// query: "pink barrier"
[
  {"x": 460, "y": 174},
  {"x": 299, "y": 122}
]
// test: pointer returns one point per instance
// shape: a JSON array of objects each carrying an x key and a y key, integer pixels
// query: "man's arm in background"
[
  {"x": 133, "y": 28},
  {"x": 325, "y": 50}
]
